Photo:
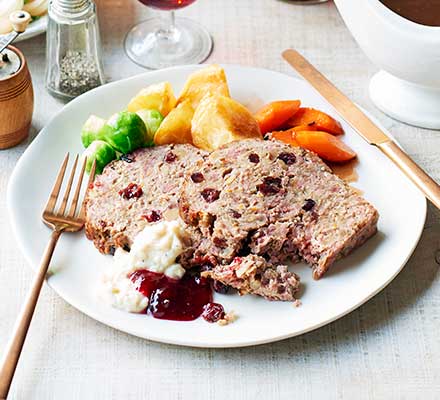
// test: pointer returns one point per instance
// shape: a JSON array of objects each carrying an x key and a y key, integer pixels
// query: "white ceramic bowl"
[{"x": 408, "y": 86}]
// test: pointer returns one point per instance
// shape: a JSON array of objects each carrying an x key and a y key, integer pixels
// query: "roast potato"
[
  {"x": 158, "y": 97},
  {"x": 219, "y": 120},
  {"x": 207, "y": 81},
  {"x": 176, "y": 127}
]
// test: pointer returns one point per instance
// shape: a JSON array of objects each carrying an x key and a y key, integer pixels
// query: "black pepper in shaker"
[{"x": 73, "y": 48}]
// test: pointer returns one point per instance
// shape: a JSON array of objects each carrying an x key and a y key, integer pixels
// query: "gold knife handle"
[{"x": 424, "y": 182}]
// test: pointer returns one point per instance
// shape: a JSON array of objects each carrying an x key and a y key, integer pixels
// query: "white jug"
[{"x": 408, "y": 86}]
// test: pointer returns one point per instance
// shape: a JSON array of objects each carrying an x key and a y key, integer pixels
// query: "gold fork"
[{"x": 59, "y": 221}]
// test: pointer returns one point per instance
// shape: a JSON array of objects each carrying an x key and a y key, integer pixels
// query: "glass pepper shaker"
[{"x": 73, "y": 56}]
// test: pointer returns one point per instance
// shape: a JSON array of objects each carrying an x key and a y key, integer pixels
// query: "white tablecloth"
[{"x": 387, "y": 349}]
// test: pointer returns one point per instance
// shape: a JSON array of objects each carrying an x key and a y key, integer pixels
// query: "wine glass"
[{"x": 164, "y": 42}]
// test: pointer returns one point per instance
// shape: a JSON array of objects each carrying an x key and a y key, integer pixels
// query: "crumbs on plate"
[{"x": 229, "y": 318}]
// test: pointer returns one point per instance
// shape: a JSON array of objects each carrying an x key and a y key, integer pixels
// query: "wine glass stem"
[{"x": 168, "y": 32}]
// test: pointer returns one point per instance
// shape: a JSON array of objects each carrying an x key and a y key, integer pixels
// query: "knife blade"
[
  {"x": 6, "y": 40},
  {"x": 363, "y": 125}
]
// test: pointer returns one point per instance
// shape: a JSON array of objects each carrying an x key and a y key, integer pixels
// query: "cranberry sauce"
[{"x": 177, "y": 300}]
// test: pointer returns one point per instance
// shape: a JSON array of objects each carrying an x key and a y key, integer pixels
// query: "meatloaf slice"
[
  {"x": 139, "y": 189},
  {"x": 270, "y": 199},
  {"x": 253, "y": 274}
]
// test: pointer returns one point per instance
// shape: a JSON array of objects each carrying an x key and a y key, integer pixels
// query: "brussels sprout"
[
  {"x": 100, "y": 151},
  {"x": 152, "y": 120},
  {"x": 92, "y": 130},
  {"x": 125, "y": 132}
]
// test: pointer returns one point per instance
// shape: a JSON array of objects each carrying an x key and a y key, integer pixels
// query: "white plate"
[
  {"x": 35, "y": 28},
  {"x": 78, "y": 266}
]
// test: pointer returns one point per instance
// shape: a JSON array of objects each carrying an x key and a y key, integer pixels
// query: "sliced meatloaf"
[
  {"x": 272, "y": 200},
  {"x": 253, "y": 274},
  {"x": 141, "y": 188}
]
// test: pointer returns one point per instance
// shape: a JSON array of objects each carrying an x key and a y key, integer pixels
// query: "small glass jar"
[{"x": 73, "y": 56}]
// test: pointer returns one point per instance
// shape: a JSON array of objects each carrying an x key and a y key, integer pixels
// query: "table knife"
[{"x": 363, "y": 125}]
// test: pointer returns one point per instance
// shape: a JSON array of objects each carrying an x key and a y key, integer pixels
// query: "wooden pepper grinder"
[{"x": 16, "y": 92}]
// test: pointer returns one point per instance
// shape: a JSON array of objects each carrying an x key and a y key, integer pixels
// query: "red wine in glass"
[
  {"x": 163, "y": 42},
  {"x": 167, "y": 4}
]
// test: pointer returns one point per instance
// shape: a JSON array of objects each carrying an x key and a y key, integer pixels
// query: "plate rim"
[{"x": 150, "y": 335}]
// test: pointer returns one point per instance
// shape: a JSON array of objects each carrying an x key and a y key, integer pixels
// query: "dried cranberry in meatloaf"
[{"x": 269, "y": 199}]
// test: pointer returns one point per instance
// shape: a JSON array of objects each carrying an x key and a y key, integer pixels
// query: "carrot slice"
[
  {"x": 273, "y": 115},
  {"x": 319, "y": 119},
  {"x": 286, "y": 137},
  {"x": 303, "y": 128},
  {"x": 327, "y": 146}
]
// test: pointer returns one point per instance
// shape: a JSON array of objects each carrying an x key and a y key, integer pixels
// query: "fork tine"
[
  {"x": 56, "y": 188},
  {"x": 82, "y": 213},
  {"x": 77, "y": 191},
  {"x": 68, "y": 188}
]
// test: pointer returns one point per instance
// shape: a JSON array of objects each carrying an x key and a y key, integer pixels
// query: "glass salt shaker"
[{"x": 73, "y": 56}]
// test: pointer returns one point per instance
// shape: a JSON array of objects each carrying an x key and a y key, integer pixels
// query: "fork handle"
[{"x": 13, "y": 350}]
